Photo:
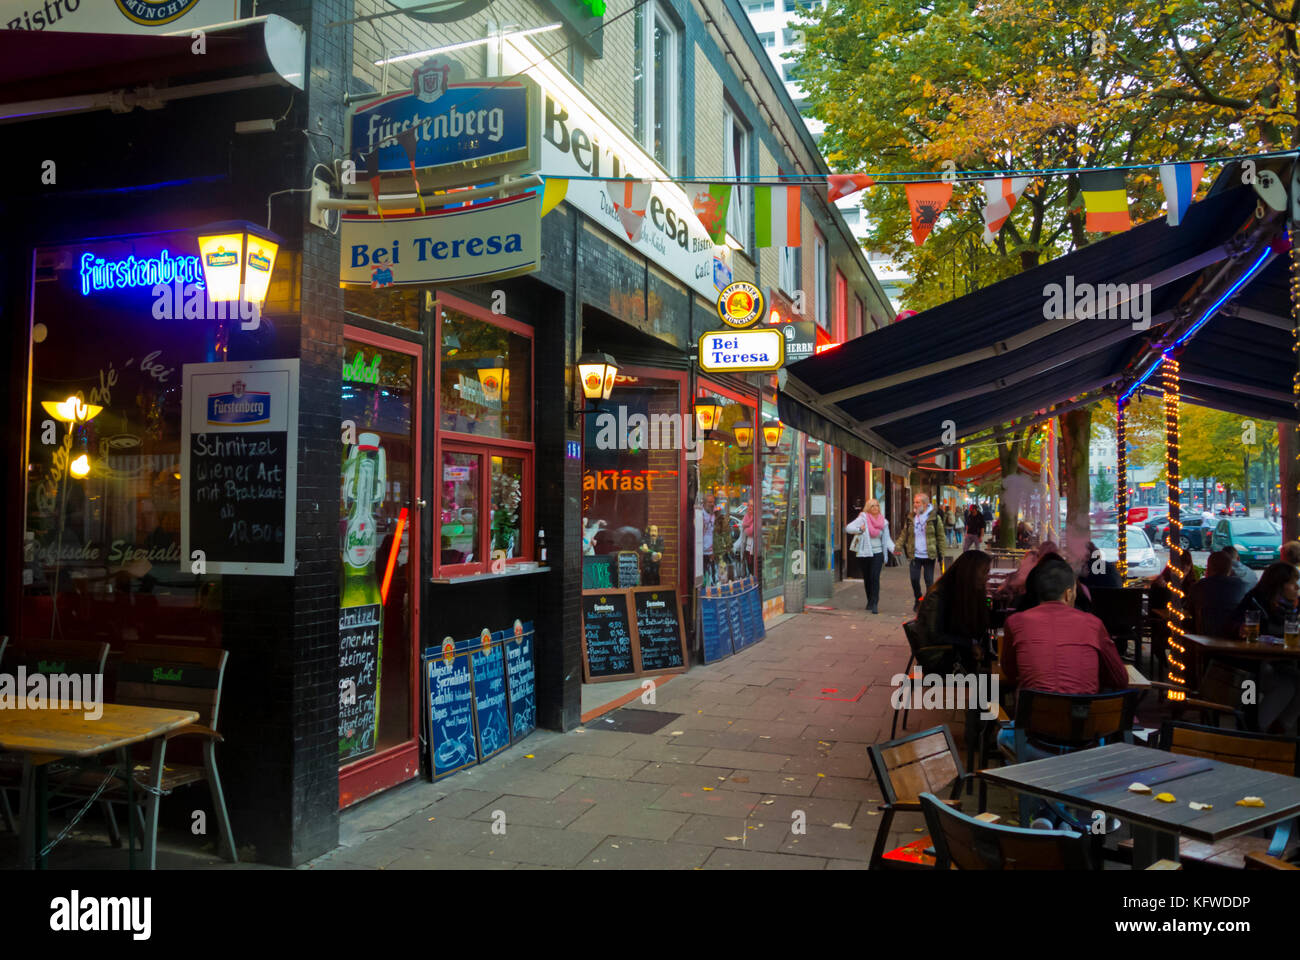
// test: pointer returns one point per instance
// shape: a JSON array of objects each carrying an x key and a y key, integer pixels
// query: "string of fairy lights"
[
  {"x": 1295, "y": 338},
  {"x": 1176, "y": 672},
  {"x": 1121, "y": 489}
]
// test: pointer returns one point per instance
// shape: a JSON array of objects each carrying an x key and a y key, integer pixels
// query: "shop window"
[
  {"x": 631, "y": 484},
  {"x": 788, "y": 270},
  {"x": 781, "y": 507},
  {"x": 736, "y": 163},
  {"x": 725, "y": 500},
  {"x": 401, "y": 306},
  {"x": 485, "y": 441},
  {"x": 819, "y": 278}
]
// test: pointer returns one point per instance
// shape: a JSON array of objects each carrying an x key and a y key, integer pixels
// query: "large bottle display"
[{"x": 361, "y": 611}]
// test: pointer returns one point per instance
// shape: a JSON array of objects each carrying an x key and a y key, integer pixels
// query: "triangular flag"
[
  {"x": 927, "y": 201},
  {"x": 630, "y": 198},
  {"x": 840, "y": 185},
  {"x": 553, "y": 192},
  {"x": 1000, "y": 197},
  {"x": 711, "y": 205},
  {"x": 778, "y": 216},
  {"x": 1180, "y": 181},
  {"x": 407, "y": 140},
  {"x": 372, "y": 171},
  {"x": 1105, "y": 200}
]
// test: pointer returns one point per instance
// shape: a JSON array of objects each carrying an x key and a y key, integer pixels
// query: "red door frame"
[
  {"x": 707, "y": 386},
  {"x": 397, "y": 764}
]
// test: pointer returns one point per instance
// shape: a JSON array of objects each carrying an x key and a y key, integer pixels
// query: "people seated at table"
[
  {"x": 1054, "y": 647},
  {"x": 1239, "y": 570},
  {"x": 1215, "y": 598},
  {"x": 1290, "y": 553},
  {"x": 1014, "y": 586},
  {"x": 1094, "y": 571},
  {"x": 955, "y": 610},
  {"x": 1275, "y": 598},
  {"x": 1031, "y": 598}
]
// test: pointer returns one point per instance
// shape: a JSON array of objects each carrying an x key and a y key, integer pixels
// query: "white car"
[{"x": 1142, "y": 561}]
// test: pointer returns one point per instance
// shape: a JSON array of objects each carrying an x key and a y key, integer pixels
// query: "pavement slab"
[
  {"x": 815, "y": 810},
  {"x": 681, "y": 773},
  {"x": 733, "y": 833},
  {"x": 532, "y": 811},
  {"x": 711, "y": 801},
  {"x": 743, "y": 759},
  {"x": 608, "y": 768},
  {"x": 729, "y": 859},
  {"x": 616, "y": 819},
  {"x": 629, "y": 853},
  {"x": 830, "y": 842},
  {"x": 540, "y": 845},
  {"x": 765, "y": 781}
]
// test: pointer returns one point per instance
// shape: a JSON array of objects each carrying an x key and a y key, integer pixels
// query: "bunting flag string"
[
  {"x": 839, "y": 186},
  {"x": 778, "y": 220},
  {"x": 630, "y": 198},
  {"x": 1180, "y": 181},
  {"x": 1000, "y": 198},
  {"x": 927, "y": 201},
  {"x": 1105, "y": 201},
  {"x": 554, "y": 191},
  {"x": 711, "y": 205}
]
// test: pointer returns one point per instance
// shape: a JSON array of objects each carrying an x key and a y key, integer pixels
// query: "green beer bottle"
[{"x": 364, "y": 479}]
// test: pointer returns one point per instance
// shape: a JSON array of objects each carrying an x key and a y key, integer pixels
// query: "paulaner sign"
[
  {"x": 477, "y": 130},
  {"x": 497, "y": 238}
]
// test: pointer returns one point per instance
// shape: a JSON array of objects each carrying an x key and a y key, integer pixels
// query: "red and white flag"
[
  {"x": 841, "y": 185},
  {"x": 630, "y": 198},
  {"x": 1000, "y": 197}
]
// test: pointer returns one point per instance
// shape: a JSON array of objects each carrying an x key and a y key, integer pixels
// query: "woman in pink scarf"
[{"x": 874, "y": 543}]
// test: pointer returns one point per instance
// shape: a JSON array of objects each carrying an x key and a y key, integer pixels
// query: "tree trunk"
[
  {"x": 1076, "y": 431},
  {"x": 1008, "y": 457}
]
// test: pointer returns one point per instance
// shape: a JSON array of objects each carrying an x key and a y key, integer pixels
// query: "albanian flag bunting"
[
  {"x": 841, "y": 185},
  {"x": 927, "y": 201},
  {"x": 711, "y": 204},
  {"x": 1105, "y": 200}
]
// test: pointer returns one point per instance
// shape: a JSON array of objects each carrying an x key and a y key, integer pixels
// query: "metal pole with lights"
[{"x": 1176, "y": 669}]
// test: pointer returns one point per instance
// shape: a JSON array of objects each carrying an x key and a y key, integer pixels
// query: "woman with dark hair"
[
  {"x": 1275, "y": 599},
  {"x": 955, "y": 610}
]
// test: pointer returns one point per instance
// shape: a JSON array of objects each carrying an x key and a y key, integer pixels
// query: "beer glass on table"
[
  {"x": 1250, "y": 630},
  {"x": 1292, "y": 634}
]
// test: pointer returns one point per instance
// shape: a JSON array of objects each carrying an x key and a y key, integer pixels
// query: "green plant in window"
[{"x": 506, "y": 497}]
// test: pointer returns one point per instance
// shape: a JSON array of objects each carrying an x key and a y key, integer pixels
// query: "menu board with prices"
[
  {"x": 239, "y": 462},
  {"x": 490, "y": 700},
  {"x": 521, "y": 677},
  {"x": 659, "y": 636},
  {"x": 607, "y": 649},
  {"x": 449, "y": 690},
  {"x": 358, "y": 679},
  {"x": 731, "y": 618}
]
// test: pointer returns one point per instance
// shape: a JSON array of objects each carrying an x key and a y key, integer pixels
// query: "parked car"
[
  {"x": 1238, "y": 508},
  {"x": 1142, "y": 561},
  {"x": 1258, "y": 543},
  {"x": 1154, "y": 523},
  {"x": 1195, "y": 535}
]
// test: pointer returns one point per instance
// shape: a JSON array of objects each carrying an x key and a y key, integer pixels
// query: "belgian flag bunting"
[{"x": 1105, "y": 200}]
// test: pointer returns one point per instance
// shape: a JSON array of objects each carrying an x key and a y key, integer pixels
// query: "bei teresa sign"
[
  {"x": 497, "y": 238},
  {"x": 755, "y": 350}
]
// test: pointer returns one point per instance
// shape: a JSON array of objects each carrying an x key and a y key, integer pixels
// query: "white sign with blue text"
[{"x": 496, "y": 238}]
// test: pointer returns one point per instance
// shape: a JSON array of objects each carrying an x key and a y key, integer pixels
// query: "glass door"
[
  {"x": 819, "y": 520},
  {"x": 378, "y": 564}
]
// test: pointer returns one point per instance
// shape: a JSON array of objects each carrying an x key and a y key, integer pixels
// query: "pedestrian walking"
[
  {"x": 974, "y": 529},
  {"x": 871, "y": 543},
  {"x": 958, "y": 526},
  {"x": 922, "y": 543},
  {"x": 949, "y": 527}
]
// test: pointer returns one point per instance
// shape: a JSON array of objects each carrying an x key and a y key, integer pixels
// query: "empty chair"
[
  {"x": 967, "y": 843},
  {"x": 906, "y": 768}
]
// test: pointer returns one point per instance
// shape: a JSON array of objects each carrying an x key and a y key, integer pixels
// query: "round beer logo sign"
[
  {"x": 448, "y": 649},
  {"x": 485, "y": 638},
  {"x": 740, "y": 304},
  {"x": 519, "y": 630},
  {"x": 151, "y": 13}
]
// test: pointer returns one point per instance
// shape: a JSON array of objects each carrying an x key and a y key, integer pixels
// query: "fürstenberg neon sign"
[{"x": 100, "y": 274}]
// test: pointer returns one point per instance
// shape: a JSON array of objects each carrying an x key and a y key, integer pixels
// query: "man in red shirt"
[{"x": 1056, "y": 648}]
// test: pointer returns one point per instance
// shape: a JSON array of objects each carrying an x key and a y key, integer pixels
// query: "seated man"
[
  {"x": 1239, "y": 570},
  {"x": 1290, "y": 553},
  {"x": 1215, "y": 597}
]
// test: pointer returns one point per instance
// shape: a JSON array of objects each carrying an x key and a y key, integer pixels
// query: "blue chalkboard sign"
[
  {"x": 755, "y": 606},
  {"x": 521, "y": 678},
  {"x": 491, "y": 704},
  {"x": 715, "y": 629},
  {"x": 449, "y": 693},
  {"x": 739, "y": 637}
]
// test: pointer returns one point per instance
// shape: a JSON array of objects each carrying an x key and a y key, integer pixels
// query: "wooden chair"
[
  {"x": 905, "y": 769},
  {"x": 1262, "y": 861},
  {"x": 1121, "y": 611},
  {"x": 43, "y": 657},
  {"x": 932, "y": 658},
  {"x": 967, "y": 843},
  {"x": 169, "y": 677}
]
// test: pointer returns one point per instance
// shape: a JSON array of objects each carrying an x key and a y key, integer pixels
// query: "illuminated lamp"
[
  {"x": 708, "y": 411},
  {"x": 744, "y": 434},
  {"x": 774, "y": 316},
  {"x": 237, "y": 256},
  {"x": 79, "y": 467},
  {"x": 72, "y": 410},
  {"x": 596, "y": 373},
  {"x": 772, "y": 433}
]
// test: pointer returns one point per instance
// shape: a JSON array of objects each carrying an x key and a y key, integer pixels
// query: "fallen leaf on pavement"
[
  {"x": 840, "y": 826},
  {"x": 872, "y": 813},
  {"x": 706, "y": 788},
  {"x": 761, "y": 737},
  {"x": 530, "y": 756},
  {"x": 431, "y": 819},
  {"x": 740, "y": 779},
  {"x": 676, "y": 733},
  {"x": 918, "y": 829},
  {"x": 731, "y": 838},
  {"x": 768, "y": 802}
]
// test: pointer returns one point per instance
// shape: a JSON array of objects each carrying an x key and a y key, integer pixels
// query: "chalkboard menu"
[
  {"x": 521, "y": 678},
  {"x": 450, "y": 690},
  {"x": 598, "y": 572},
  {"x": 358, "y": 679},
  {"x": 659, "y": 630},
  {"x": 715, "y": 629},
  {"x": 239, "y": 458},
  {"x": 629, "y": 569},
  {"x": 490, "y": 701},
  {"x": 606, "y": 637}
]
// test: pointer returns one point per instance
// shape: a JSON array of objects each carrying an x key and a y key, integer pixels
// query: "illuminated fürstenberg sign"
[{"x": 100, "y": 274}]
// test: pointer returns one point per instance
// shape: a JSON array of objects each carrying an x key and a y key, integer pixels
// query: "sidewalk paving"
[{"x": 762, "y": 764}]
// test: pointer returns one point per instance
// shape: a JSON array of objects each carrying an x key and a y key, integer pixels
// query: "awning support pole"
[
  {"x": 1176, "y": 655},
  {"x": 1121, "y": 489}
]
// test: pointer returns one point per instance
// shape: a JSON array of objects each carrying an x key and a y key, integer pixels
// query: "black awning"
[
  {"x": 1002, "y": 353},
  {"x": 795, "y": 414},
  {"x": 53, "y": 72}
]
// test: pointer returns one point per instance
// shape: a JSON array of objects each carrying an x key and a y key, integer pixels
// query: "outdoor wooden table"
[
  {"x": 1098, "y": 779},
  {"x": 44, "y": 736},
  {"x": 1202, "y": 648}
]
